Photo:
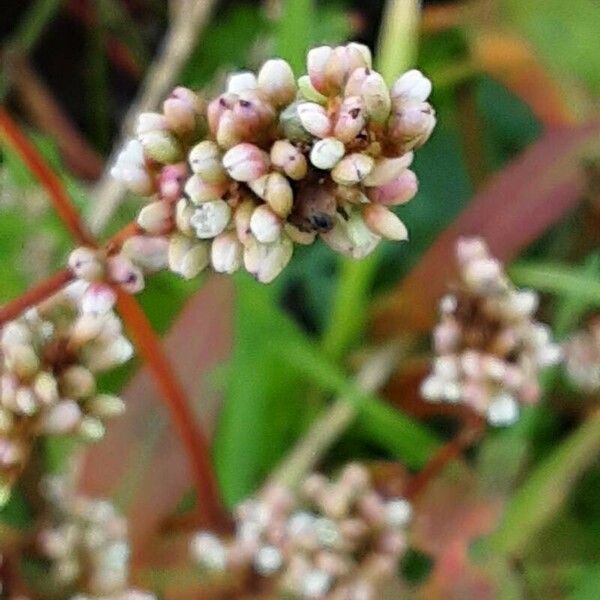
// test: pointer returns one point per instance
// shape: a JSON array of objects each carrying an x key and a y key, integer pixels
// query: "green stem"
[{"x": 33, "y": 24}]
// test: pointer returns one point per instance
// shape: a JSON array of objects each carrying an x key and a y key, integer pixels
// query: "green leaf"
[
  {"x": 295, "y": 31},
  {"x": 546, "y": 488}
]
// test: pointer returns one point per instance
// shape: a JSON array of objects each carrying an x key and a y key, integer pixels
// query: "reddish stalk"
[
  {"x": 470, "y": 432},
  {"x": 12, "y": 135},
  {"x": 35, "y": 295},
  {"x": 191, "y": 435}
]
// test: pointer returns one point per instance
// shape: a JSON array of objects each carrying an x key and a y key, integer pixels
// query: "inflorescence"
[
  {"x": 334, "y": 539},
  {"x": 273, "y": 162},
  {"x": 85, "y": 542},
  {"x": 50, "y": 357},
  {"x": 489, "y": 347},
  {"x": 582, "y": 357}
]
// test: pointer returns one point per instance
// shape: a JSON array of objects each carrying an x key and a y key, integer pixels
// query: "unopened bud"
[
  {"x": 226, "y": 253},
  {"x": 156, "y": 217},
  {"x": 276, "y": 191},
  {"x": 22, "y": 360},
  {"x": 205, "y": 161},
  {"x": 412, "y": 85},
  {"x": 376, "y": 97},
  {"x": 147, "y": 252},
  {"x": 246, "y": 162},
  {"x": 171, "y": 181},
  {"x": 161, "y": 146},
  {"x": 411, "y": 124},
  {"x": 326, "y": 153},
  {"x": 314, "y": 119},
  {"x": 217, "y": 108},
  {"x": 351, "y": 119},
  {"x": 241, "y": 220},
  {"x": 227, "y": 133},
  {"x": 125, "y": 274},
  {"x": 276, "y": 80},
  {"x": 130, "y": 168},
  {"x": 77, "y": 382},
  {"x": 265, "y": 224},
  {"x": 266, "y": 261},
  {"x": 351, "y": 236},
  {"x": 210, "y": 218},
  {"x": 45, "y": 388},
  {"x": 241, "y": 82},
  {"x": 308, "y": 91},
  {"x": 188, "y": 257},
  {"x": 105, "y": 406},
  {"x": 384, "y": 222},
  {"x": 291, "y": 124},
  {"x": 86, "y": 264},
  {"x": 98, "y": 299},
  {"x": 183, "y": 216},
  {"x": 386, "y": 170},
  {"x": 288, "y": 158},
  {"x": 198, "y": 191},
  {"x": 181, "y": 110},
  {"x": 399, "y": 191},
  {"x": 352, "y": 169},
  {"x": 91, "y": 429},
  {"x": 304, "y": 238},
  {"x": 62, "y": 418}
]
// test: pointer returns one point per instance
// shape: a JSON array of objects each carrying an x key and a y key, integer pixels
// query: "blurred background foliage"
[{"x": 507, "y": 74}]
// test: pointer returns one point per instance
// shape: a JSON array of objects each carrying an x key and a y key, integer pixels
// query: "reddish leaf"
[
  {"x": 141, "y": 460},
  {"x": 520, "y": 203}
]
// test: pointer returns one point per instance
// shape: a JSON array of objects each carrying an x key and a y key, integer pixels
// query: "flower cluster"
[
  {"x": 489, "y": 347},
  {"x": 272, "y": 162},
  {"x": 85, "y": 542},
  {"x": 335, "y": 539},
  {"x": 582, "y": 357},
  {"x": 49, "y": 360}
]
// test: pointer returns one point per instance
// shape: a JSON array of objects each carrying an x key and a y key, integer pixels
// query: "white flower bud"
[
  {"x": 276, "y": 80},
  {"x": 412, "y": 85},
  {"x": 308, "y": 92},
  {"x": 387, "y": 170},
  {"x": 148, "y": 252},
  {"x": 188, "y": 257},
  {"x": 288, "y": 158},
  {"x": 156, "y": 217},
  {"x": 161, "y": 146},
  {"x": 326, "y": 153},
  {"x": 105, "y": 406},
  {"x": 45, "y": 388},
  {"x": 246, "y": 162},
  {"x": 205, "y": 161},
  {"x": 351, "y": 236},
  {"x": 198, "y": 191},
  {"x": 276, "y": 191},
  {"x": 503, "y": 410},
  {"x": 98, "y": 299},
  {"x": 265, "y": 224},
  {"x": 183, "y": 216},
  {"x": 208, "y": 550},
  {"x": 241, "y": 82},
  {"x": 77, "y": 382},
  {"x": 352, "y": 169},
  {"x": 22, "y": 360},
  {"x": 91, "y": 429},
  {"x": 61, "y": 418},
  {"x": 314, "y": 119},
  {"x": 266, "y": 261},
  {"x": 211, "y": 218},
  {"x": 86, "y": 264},
  {"x": 241, "y": 220},
  {"x": 226, "y": 253}
]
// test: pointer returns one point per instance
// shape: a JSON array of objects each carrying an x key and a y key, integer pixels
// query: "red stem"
[
  {"x": 35, "y": 295},
  {"x": 472, "y": 429},
  {"x": 191, "y": 435},
  {"x": 12, "y": 135}
]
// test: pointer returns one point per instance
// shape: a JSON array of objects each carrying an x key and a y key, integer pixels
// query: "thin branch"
[
  {"x": 29, "y": 154},
  {"x": 179, "y": 42},
  {"x": 473, "y": 428},
  {"x": 336, "y": 419},
  {"x": 35, "y": 295},
  {"x": 192, "y": 437}
]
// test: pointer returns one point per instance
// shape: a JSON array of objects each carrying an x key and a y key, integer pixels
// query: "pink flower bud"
[
  {"x": 288, "y": 158},
  {"x": 316, "y": 65},
  {"x": 98, "y": 299},
  {"x": 276, "y": 191},
  {"x": 387, "y": 170},
  {"x": 411, "y": 124},
  {"x": 265, "y": 224},
  {"x": 216, "y": 108},
  {"x": 124, "y": 273},
  {"x": 384, "y": 222},
  {"x": 62, "y": 418},
  {"x": 228, "y": 134},
  {"x": 351, "y": 119},
  {"x": 226, "y": 253},
  {"x": 205, "y": 160},
  {"x": 156, "y": 217},
  {"x": 181, "y": 110},
  {"x": 171, "y": 181},
  {"x": 266, "y": 261},
  {"x": 352, "y": 169},
  {"x": 246, "y": 162},
  {"x": 399, "y": 191},
  {"x": 412, "y": 85},
  {"x": 210, "y": 218},
  {"x": 86, "y": 264},
  {"x": 252, "y": 116},
  {"x": 314, "y": 119},
  {"x": 355, "y": 82},
  {"x": 276, "y": 81}
]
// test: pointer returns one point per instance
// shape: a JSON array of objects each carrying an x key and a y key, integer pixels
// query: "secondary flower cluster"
[
  {"x": 273, "y": 162},
  {"x": 49, "y": 358},
  {"x": 582, "y": 357},
  {"x": 335, "y": 539},
  {"x": 489, "y": 347},
  {"x": 85, "y": 542}
]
